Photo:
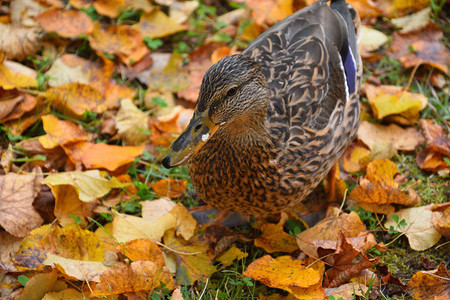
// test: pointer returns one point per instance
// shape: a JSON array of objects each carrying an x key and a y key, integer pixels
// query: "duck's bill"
[{"x": 192, "y": 139}]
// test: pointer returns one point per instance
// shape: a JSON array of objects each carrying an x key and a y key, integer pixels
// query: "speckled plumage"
[{"x": 284, "y": 111}]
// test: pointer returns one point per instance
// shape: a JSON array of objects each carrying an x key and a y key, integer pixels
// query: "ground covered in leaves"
[{"x": 92, "y": 91}]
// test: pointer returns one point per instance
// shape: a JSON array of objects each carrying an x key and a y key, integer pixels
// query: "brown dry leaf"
[
  {"x": 78, "y": 269},
  {"x": 419, "y": 226},
  {"x": 329, "y": 229},
  {"x": 109, "y": 157},
  {"x": 227, "y": 257},
  {"x": 14, "y": 104},
  {"x": 275, "y": 239},
  {"x": 290, "y": 275},
  {"x": 391, "y": 101},
  {"x": 432, "y": 161},
  {"x": 127, "y": 228},
  {"x": 60, "y": 132},
  {"x": 199, "y": 63},
  {"x": 435, "y": 136},
  {"x": 17, "y": 42},
  {"x": 431, "y": 284},
  {"x": 355, "y": 158},
  {"x": 65, "y": 242},
  {"x": 185, "y": 224},
  {"x": 142, "y": 249},
  {"x": 68, "y": 23},
  {"x": 67, "y": 294},
  {"x": 156, "y": 24},
  {"x": 426, "y": 45},
  {"x": 120, "y": 40},
  {"x": 89, "y": 185},
  {"x": 347, "y": 291},
  {"x": 74, "y": 99},
  {"x": 360, "y": 243},
  {"x": 137, "y": 276},
  {"x": 192, "y": 261},
  {"x": 41, "y": 284},
  {"x": 14, "y": 75},
  {"x": 171, "y": 188},
  {"x": 405, "y": 139},
  {"x": 9, "y": 245},
  {"x": 442, "y": 224},
  {"x": 17, "y": 214},
  {"x": 170, "y": 78},
  {"x": 268, "y": 12},
  {"x": 131, "y": 123},
  {"x": 347, "y": 262}
]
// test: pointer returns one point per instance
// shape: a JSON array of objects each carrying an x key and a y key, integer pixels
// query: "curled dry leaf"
[
  {"x": 419, "y": 226},
  {"x": 437, "y": 147},
  {"x": 405, "y": 139},
  {"x": 274, "y": 239},
  {"x": 393, "y": 102},
  {"x": 17, "y": 214},
  {"x": 290, "y": 275},
  {"x": 131, "y": 123},
  {"x": 78, "y": 269},
  {"x": 156, "y": 24},
  {"x": 60, "y": 132},
  {"x": 18, "y": 42},
  {"x": 14, "y": 104},
  {"x": 426, "y": 45},
  {"x": 135, "y": 277},
  {"x": 68, "y": 23},
  {"x": 431, "y": 284}
]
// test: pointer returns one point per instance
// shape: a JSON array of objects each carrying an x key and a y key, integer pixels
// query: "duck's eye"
[{"x": 232, "y": 91}]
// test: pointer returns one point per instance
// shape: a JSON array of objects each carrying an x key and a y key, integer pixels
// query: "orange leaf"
[
  {"x": 430, "y": 160},
  {"x": 68, "y": 23},
  {"x": 290, "y": 275},
  {"x": 431, "y": 284},
  {"x": 109, "y": 157},
  {"x": 14, "y": 104},
  {"x": 157, "y": 24},
  {"x": 142, "y": 249},
  {"x": 355, "y": 158},
  {"x": 60, "y": 132},
  {"x": 220, "y": 53},
  {"x": 109, "y": 8},
  {"x": 274, "y": 239},
  {"x": 130, "y": 278},
  {"x": 442, "y": 224},
  {"x": 435, "y": 136},
  {"x": 170, "y": 187},
  {"x": 11, "y": 78},
  {"x": 268, "y": 12}
]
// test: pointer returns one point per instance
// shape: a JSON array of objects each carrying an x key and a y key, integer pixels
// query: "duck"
[{"x": 271, "y": 122}]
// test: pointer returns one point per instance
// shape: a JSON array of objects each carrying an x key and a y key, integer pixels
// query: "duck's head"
[{"x": 233, "y": 89}]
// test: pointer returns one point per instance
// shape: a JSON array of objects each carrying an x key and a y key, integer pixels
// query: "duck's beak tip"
[{"x": 166, "y": 162}]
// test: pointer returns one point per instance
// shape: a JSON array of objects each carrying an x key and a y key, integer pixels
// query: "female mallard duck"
[{"x": 271, "y": 122}]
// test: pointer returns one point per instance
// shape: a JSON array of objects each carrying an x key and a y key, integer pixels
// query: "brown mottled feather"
[{"x": 289, "y": 128}]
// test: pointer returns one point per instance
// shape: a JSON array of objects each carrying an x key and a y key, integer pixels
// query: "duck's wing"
[{"x": 312, "y": 67}]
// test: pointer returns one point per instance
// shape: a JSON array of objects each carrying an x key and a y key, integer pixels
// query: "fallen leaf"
[
  {"x": 419, "y": 226},
  {"x": 17, "y": 214},
  {"x": 131, "y": 123},
  {"x": 78, "y": 269},
  {"x": 329, "y": 229},
  {"x": 68, "y": 23},
  {"x": 120, "y": 40},
  {"x": 355, "y": 158},
  {"x": 14, "y": 104},
  {"x": 414, "y": 21},
  {"x": 170, "y": 78},
  {"x": 268, "y": 12},
  {"x": 192, "y": 261},
  {"x": 41, "y": 284},
  {"x": 392, "y": 101},
  {"x": 426, "y": 48},
  {"x": 109, "y": 8},
  {"x": 347, "y": 291},
  {"x": 220, "y": 53},
  {"x": 371, "y": 39},
  {"x": 360, "y": 243},
  {"x": 154, "y": 209},
  {"x": 137, "y": 276},
  {"x": 180, "y": 11},
  {"x": 142, "y": 249},
  {"x": 18, "y": 42},
  {"x": 60, "y": 132},
  {"x": 9, "y": 245},
  {"x": 67, "y": 294},
  {"x": 89, "y": 185},
  {"x": 109, "y": 157},
  {"x": 170, "y": 188},
  {"x": 442, "y": 224},
  {"x": 156, "y": 24},
  {"x": 431, "y": 284},
  {"x": 227, "y": 257},
  {"x": 435, "y": 136},
  {"x": 347, "y": 262},
  {"x": 13, "y": 75},
  {"x": 431, "y": 161},
  {"x": 185, "y": 224},
  {"x": 290, "y": 275},
  {"x": 274, "y": 239}
]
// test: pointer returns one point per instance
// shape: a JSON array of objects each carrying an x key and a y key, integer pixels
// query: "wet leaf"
[
  {"x": 68, "y": 23},
  {"x": 60, "y": 132},
  {"x": 419, "y": 226},
  {"x": 274, "y": 239},
  {"x": 134, "y": 277},
  {"x": 156, "y": 24},
  {"x": 131, "y": 123},
  {"x": 431, "y": 284},
  {"x": 78, "y": 269},
  {"x": 290, "y": 275},
  {"x": 170, "y": 187},
  {"x": 17, "y": 214}
]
